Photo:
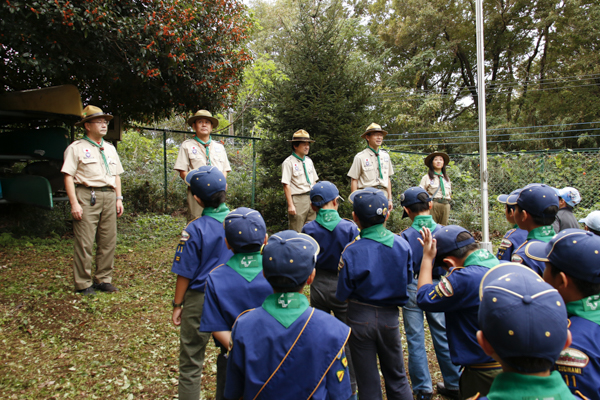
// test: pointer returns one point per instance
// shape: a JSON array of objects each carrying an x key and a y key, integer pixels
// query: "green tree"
[
  {"x": 324, "y": 89},
  {"x": 140, "y": 58}
]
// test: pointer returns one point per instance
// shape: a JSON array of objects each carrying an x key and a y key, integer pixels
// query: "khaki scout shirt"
[
  {"x": 431, "y": 186},
  {"x": 84, "y": 162},
  {"x": 192, "y": 155},
  {"x": 365, "y": 169},
  {"x": 293, "y": 174}
]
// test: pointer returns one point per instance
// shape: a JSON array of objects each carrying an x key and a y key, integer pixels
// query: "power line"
[
  {"x": 494, "y": 141},
  {"x": 500, "y": 134}
]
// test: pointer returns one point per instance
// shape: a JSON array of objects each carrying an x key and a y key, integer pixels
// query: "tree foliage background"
[{"x": 143, "y": 59}]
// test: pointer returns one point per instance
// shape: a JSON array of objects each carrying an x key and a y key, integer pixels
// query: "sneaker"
[
  {"x": 87, "y": 291},
  {"x": 106, "y": 287},
  {"x": 450, "y": 393},
  {"x": 423, "y": 395}
]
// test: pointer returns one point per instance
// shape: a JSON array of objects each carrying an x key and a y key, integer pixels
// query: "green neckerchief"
[
  {"x": 101, "y": 147},
  {"x": 379, "y": 234},
  {"x": 378, "y": 161},
  {"x": 515, "y": 226},
  {"x": 543, "y": 233},
  {"x": 248, "y": 265},
  {"x": 205, "y": 144},
  {"x": 421, "y": 221},
  {"x": 481, "y": 257},
  {"x": 328, "y": 219},
  {"x": 285, "y": 307},
  {"x": 512, "y": 385},
  {"x": 304, "y": 166},
  {"x": 441, "y": 177},
  {"x": 218, "y": 213},
  {"x": 587, "y": 308}
]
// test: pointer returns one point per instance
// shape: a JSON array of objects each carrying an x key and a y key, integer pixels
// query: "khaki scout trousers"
[
  {"x": 304, "y": 212},
  {"x": 192, "y": 346},
  {"x": 194, "y": 209},
  {"x": 99, "y": 223},
  {"x": 440, "y": 213}
]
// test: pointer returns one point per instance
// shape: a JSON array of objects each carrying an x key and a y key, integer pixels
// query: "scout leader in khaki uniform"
[
  {"x": 199, "y": 151},
  {"x": 372, "y": 167},
  {"x": 298, "y": 176},
  {"x": 91, "y": 169}
]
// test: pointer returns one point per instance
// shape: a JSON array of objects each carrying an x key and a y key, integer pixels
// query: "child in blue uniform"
[
  {"x": 572, "y": 260},
  {"x": 457, "y": 296},
  {"x": 286, "y": 349},
  {"x": 201, "y": 248},
  {"x": 374, "y": 272},
  {"x": 333, "y": 234},
  {"x": 417, "y": 206},
  {"x": 535, "y": 209},
  {"x": 236, "y": 286},
  {"x": 515, "y": 236},
  {"x": 524, "y": 327}
]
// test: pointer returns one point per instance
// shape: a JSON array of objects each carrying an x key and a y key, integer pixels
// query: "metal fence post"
[
  {"x": 165, "y": 164},
  {"x": 543, "y": 165},
  {"x": 253, "y": 171}
]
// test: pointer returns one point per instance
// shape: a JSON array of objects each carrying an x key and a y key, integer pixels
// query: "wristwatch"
[
  {"x": 175, "y": 305},
  {"x": 119, "y": 197}
]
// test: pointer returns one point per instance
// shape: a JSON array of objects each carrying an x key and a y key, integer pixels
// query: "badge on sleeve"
[
  {"x": 444, "y": 288},
  {"x": 341, "y": 264},
  {"x": 506, "y": 244},
  {"x": 185, "y": 236},
  {"x": 572, "y": 360},
  {"x": 516, "y": 259},
  {"x": 340, "y": 374}
]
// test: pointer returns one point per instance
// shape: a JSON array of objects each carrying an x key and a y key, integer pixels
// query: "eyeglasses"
[{"x": 99, "y": 122}]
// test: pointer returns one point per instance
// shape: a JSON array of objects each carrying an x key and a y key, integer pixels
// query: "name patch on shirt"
[{"x": 572, "y": 360}]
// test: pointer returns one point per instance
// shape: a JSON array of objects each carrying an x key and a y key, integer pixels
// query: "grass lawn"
[{"x": 56, "y": 344}]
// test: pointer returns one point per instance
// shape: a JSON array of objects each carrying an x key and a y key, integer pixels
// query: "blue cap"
[
  {"x": 574, "y": 251},
  {"x": 243, "y": 227},
  {"x": 521, "y": 315},
  {"x": 534, "y": 198},
  {"x": 411, "y": 196},
  {"x": 503, "y": 197},
  {"x": 445, "y": 238},
  {"x": 369, "y": 203},
  {"x": 327, "y": 190},
  {"x": 570, "y": 195},
  {"x": 290, "y": 254},
  {"x": 592, "y": 220},
  {"x": 206, "y": 181}
]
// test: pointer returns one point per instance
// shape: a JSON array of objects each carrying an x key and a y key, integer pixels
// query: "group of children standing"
[{"x": 504, "y": 332}]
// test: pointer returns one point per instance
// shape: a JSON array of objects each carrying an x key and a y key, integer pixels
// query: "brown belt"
[{"x": 442, "y": 201}]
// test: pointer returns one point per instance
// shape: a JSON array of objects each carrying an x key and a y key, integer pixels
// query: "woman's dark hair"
[
  {"x": 431, "y": 170},
  {"x": 215, "y": 200},
  {"x": 586, "y": 289}
]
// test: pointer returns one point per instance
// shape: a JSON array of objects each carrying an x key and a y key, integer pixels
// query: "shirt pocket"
[
  {"x": 90, "y": 167},
  {"x": 297, "y": 170},
  {"x": 194, "y": 152}
]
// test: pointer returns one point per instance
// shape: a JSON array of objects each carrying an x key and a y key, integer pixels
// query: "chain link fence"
[{"x": 507, "y": 172}]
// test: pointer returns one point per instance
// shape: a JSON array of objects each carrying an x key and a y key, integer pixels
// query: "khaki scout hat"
[
  {"x": 203, "y": 114},
  {"x": 91, "y": 112},
  {"x": 430, "y": 157},
  {"x": 301, "y": 136},
  {"x": 373, "y": 128}
]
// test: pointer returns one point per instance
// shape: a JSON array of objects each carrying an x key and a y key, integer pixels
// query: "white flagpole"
[{"x": 485, "y": 243}]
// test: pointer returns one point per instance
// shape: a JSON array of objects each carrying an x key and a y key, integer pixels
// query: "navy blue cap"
[
  {"x": 369, "y": 203},
  {"x": 521, "y": 315},
  {"x": 503, "y": 197},
  {"x": 327, "y": 190},
  {"x": 206, "y": 181},
  {"x": 574, "y": 251},
  {"x": 243, "y": 227},
  {"x": 290, "y": 254},
  {"x": 410, "y": 197},
  {"x": 534, "y": 198},
  {"x": 445, "y": 238}
]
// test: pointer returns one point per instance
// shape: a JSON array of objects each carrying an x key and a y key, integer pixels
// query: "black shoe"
[
  {"x": 452, "y": 394},
  {"x": 423, "y": 395},
  {"x": 87, "y": 291},
  {"x": 106, "y": 287}
]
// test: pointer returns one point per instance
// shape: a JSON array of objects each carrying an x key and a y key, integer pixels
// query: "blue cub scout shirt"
[
  {"x": 373, "y": 273},
  {"x": 331, "y": 243},
  {"x": 457, "y": 295},
  {"x": 201, "y": 248},
  {"x": 511, "y": 241},
  {"x": 411, "y": 235},
  {"x": 227, "y": 295}
]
